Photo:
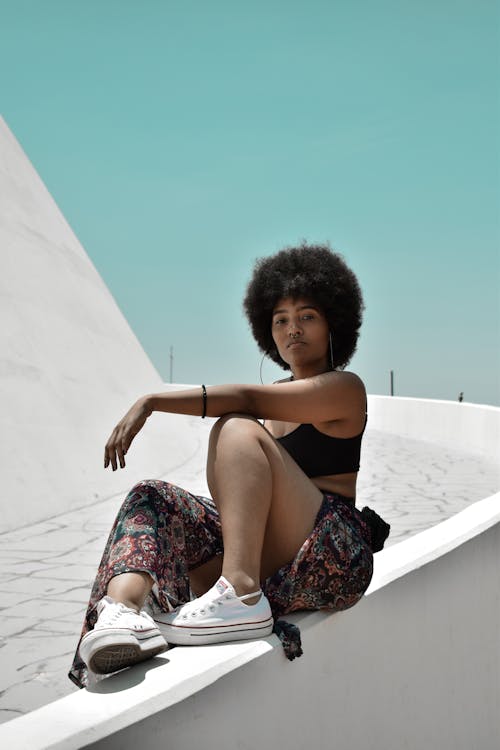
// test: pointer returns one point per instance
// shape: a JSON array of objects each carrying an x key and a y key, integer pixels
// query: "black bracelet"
[{"x": 204, "y": 396}]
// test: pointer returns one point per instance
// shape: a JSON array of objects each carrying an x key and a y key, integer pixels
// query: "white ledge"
[
  {"x": 135, "y": 694},
  {"x": 421, "y": 549}
]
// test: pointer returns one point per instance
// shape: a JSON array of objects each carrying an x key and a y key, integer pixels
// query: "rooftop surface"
[{"x": 48, "y": 567}]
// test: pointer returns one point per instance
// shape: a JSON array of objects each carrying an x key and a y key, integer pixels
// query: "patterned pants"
[{"x": 166, "y": 531}]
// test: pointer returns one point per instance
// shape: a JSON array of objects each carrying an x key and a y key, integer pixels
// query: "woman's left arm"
[{"x": 321, "y": 398}]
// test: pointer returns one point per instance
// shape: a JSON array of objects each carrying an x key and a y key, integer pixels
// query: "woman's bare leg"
[
  {"x": 240, "y": 480},
  {"x": 267, "y": 505},
  {"x": 131, "y": 589}
]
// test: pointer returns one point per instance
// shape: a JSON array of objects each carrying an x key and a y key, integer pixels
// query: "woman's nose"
[{"x": 294, "y": 328}]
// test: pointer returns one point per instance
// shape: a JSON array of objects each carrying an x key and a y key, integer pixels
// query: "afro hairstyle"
[{"x": 318, "y": 274}]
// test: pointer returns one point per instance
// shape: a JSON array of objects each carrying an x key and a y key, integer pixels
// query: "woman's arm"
[{"x": 321, "y": 398}]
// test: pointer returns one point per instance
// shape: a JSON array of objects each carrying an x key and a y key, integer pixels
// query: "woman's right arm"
[
  {"x": 321, "y": 398},
  {"x": 223, "y": 400}
]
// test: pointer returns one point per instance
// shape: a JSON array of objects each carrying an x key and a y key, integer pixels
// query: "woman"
[{"x": 282, "y": 532}]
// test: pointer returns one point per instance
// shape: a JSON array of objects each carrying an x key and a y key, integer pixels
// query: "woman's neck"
[{"x": 299, "y": 373}]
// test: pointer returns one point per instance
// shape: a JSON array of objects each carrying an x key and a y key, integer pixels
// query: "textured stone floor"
[{"x": 48, "y": 568}]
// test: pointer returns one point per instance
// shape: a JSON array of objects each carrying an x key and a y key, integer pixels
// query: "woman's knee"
[
  {"x": 151, "y": 492},
  {"x": 235, "y": 419},
  {"x": 235, "y": 424},
  {"x": 145, "y": 486}
]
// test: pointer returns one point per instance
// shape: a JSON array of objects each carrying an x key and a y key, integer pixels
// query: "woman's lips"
[{"x": 296, "y": 343}]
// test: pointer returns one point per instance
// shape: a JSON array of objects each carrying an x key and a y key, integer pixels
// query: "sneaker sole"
[
  {"x": 104, "y": 653},
  {"x": 193, "y": 636}
]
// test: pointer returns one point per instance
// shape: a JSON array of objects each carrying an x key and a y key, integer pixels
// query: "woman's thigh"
[
  {"x": 294, "y": 507},
  {"x": 295, "y": 500}
]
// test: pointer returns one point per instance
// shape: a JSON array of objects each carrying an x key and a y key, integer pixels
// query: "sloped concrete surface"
[
  {"x": 70, "y": 365},
  {"x": 48, "y": 567},
  {"x": 424, "y": 641}
]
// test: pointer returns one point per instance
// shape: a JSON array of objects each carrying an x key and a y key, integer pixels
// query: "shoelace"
[
  {"x": 196, "y": 609},
  {"x": 114, "y": 611}
]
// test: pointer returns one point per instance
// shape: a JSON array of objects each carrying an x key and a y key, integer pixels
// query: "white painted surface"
[
  {"x": 70, "y": 366},
  {"x": 465, "y": 427},
  {"x": 415, "y": 664}
]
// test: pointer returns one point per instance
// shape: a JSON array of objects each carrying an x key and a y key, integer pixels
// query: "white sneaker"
[
  {"x": 217, "y": 616},
  {"x": 121, "y": 637}
]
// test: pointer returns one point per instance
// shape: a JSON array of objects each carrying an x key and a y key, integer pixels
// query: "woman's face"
[{"x": 301, "y": 333}]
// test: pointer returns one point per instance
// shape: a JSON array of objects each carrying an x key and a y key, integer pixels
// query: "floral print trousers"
[{"x": 167, "y": 532}]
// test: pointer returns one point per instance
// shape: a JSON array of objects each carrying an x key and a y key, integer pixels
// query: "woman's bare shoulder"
[{"x": 352, "y": 378}]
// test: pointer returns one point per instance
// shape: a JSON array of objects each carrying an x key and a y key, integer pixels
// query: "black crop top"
[{"x": 320, "y": 455}]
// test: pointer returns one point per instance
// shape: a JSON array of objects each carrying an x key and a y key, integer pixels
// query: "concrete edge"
[
  {"x": 426, "y": 546},
  {"x": 126, "y": 698}
]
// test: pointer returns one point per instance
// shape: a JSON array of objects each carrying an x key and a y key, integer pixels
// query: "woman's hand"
[{"x": 125, "y": 431}]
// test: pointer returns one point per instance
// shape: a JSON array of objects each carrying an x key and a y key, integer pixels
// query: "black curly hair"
[{"x": 316, "y": 273}]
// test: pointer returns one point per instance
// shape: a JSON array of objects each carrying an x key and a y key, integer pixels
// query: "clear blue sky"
[{"x": 184, "y": 139}]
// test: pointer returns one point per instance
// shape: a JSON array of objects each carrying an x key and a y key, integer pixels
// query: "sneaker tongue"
[
  {"x": 103, "y": 602},
  {"x": 223, "y": 585}
]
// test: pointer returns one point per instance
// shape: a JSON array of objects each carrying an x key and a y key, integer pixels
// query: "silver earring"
[
  {"x": 260, "y": 368},
  {"x": 331, "y": 352}
]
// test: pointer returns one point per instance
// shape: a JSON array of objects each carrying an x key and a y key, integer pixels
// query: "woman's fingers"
[
  {"x": 110, "y": 450},
  {"x": 116, "y": 449},
  {"x": 120, "y": 451},
  {"x": 110, "y": 456},
  {"x": 107, "y": 454},
  {"x": 122, "y": 436}
]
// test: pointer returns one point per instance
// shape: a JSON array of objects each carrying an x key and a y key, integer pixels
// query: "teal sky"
[{"x": 184, "y": 140}]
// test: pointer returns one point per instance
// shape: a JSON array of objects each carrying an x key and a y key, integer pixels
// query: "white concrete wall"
[
  {"x": 70, "y": 366},
  {"x": 465, "y": 427},
  {"x": 415, "y": 664}
]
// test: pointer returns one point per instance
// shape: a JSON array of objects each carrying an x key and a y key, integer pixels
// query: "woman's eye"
[
  {"x": 279, "y": 321},
  {"x": 307, "y": 317}
]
